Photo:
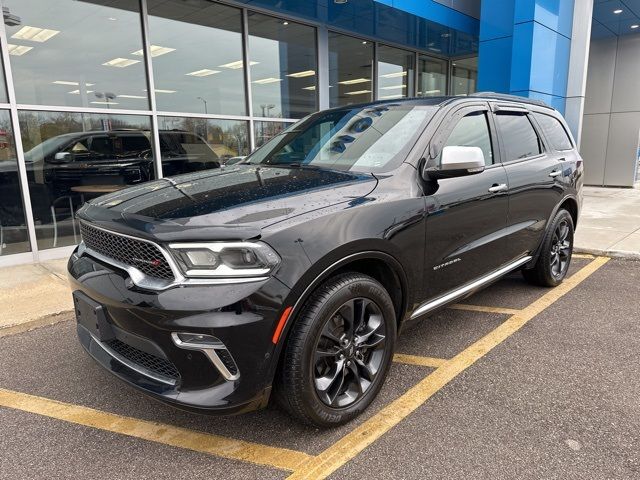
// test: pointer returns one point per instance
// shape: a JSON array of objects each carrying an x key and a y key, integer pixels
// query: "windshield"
[{"x": 364, "y": 139}]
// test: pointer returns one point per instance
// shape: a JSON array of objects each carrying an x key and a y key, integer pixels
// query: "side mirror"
[
  {"x": 62, "y": 157},
  {"x": 457, "y": 162}
]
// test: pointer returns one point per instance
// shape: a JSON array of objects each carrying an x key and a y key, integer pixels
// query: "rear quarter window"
[{"x": 554, "y": 131}]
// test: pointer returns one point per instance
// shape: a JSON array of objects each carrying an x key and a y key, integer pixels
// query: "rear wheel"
[
  {"x": 339, "y": 352},
  {"x": 555, "y": 255}
]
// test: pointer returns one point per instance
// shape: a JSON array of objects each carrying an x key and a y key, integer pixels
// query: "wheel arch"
[
  {"x": 374, "y": 263},
  {"x": 568, "y": 203}
]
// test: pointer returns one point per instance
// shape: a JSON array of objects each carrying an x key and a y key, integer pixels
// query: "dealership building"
[{"x": 96, "y": 95}]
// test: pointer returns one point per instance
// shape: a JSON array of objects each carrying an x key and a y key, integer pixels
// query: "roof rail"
[{"x": 511, "y": 98}]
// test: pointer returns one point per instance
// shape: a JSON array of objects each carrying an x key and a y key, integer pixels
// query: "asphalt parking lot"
[{"x": 514, "y": 382}]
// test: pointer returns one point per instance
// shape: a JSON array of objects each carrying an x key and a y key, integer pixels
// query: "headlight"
[{"x": 225, "y": 259}]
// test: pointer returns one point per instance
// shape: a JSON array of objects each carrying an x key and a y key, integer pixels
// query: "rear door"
[
  {"x": 466, "y": 216},
  {"x": 534, "y": 174}
]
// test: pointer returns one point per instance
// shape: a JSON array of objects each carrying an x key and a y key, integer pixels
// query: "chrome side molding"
[{"x": 465, "y": 289}]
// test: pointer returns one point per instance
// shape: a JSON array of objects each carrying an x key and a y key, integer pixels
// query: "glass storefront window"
[
  {"x": 196, "y": 51},
  {"x": 3, "y": 86},
  {"x": 395, "y": 73},
  {"x": 193, "y": 144},
  {"x": 283, "y": 63},
  {"x": 13, "y": 231},
  {"x": 464, "y": 76},
  {"x": 77, "y": 54},
  {"x": 265, "y": 131},
  {"x": 71, "y": 157},
  {"x": 432, "y": 77},
  {"x": 350, "y": 70}
]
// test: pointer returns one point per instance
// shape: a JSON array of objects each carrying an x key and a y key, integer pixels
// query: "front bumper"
[{"x": 140, "y": 350}]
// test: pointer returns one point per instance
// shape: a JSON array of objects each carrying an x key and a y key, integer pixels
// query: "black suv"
[{"x": 296, "y": 268}]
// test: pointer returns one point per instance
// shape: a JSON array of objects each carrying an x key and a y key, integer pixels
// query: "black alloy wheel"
[
  {"x": 338, "y": 353},
  {"x": 555, "y": 253},
  {"x": 560, "y": 249},
  {"x": 349, "y": 352}
]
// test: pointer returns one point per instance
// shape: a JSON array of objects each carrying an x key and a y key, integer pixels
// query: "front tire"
[
  {"x": 555, "y": 255},
  {"x": 339, "y": 351}
]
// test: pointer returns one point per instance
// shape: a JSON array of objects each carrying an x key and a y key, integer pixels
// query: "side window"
[
  {"x": 554, "y": 131},
  {"x": 473, "y": 131},
  {"x": 518, "y": 136}
]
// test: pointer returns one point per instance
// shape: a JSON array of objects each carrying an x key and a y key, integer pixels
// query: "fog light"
[{"x": 212, "y": 347}]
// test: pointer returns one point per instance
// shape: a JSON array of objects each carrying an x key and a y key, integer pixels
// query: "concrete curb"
[{"x": 609, "y": 253}]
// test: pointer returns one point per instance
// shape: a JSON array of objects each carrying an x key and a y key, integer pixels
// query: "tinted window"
[
  {"x": 473, "y": 131},
  {"x": 364, "y": 139},
  {"x": 518, "y": 136},
  {"x": 395, "y": 73},
  {"x": 554, "y": 131},
  {"x": 283, "y": 67},
  {"x": 77, "y": 54},
  {"x": 196, "y": 48},
  {"x": 350, "y": 67}
]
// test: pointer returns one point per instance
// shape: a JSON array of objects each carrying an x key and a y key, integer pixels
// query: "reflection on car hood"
[{"x": 235, "y": 202}]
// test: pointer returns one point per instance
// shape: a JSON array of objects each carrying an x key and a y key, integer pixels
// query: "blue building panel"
[
  {"x": 495, "y": 64},
  {"x": 496, "y": 19},
  {"x": 539, "y": 43},
  {"x": 556, "y": 15}
]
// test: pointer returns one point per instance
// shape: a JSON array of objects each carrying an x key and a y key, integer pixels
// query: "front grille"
[
  {"x": 145, "y": 256},
  {"x": 155, "y": 364}
]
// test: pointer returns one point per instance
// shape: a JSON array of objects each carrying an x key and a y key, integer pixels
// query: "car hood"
[{"x": 228, "y": 203}]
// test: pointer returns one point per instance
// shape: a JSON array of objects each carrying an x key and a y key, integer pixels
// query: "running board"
[{"x": 466, "y": 289}]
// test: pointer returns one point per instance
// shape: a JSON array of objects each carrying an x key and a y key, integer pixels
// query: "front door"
[{"x": 466, "y": 216}]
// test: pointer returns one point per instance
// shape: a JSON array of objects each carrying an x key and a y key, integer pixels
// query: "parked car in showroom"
[{"x": 294, "y": 270}]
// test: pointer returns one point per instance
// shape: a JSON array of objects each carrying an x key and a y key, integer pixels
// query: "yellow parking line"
[
  {"x": 583, "y": 255},
  {"x": 281, "y": 458},
  {"x": 368, "y": 432},
  {"x": 418, "y": 360},
  {"x": 482, "y": 308}
]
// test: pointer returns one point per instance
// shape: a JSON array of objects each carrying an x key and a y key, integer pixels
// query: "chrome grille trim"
[
  {"x": 140, "y": 279},
  {"x": 127, "y": 250}
]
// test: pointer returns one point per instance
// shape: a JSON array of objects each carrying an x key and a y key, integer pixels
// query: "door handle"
[
  {"x": 495, "y": 188},
  {"x": 555, "y": 173}
]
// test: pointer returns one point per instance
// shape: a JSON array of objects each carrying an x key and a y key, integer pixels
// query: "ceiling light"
[
  {"x": 364, "y": 42},
  {"x": 354, "y": 81},
  {"x": 285, "y": 23},
  {"x": 236, "y": 65},
  {"x": 132, "y": 96},
  {"x": 67, "y": 82},
  {"x": 312, "y": 87},
  {"x": 113, "y": 19},
  {"x": 264, "y": 81},
  {"x": 357, "y": 92},
  {"x": 205, "y": 72},
  {"x": 160, "y": 90},
  {"x": 394, "y": 75},
  {"x": 617, "y": 12},
  {"x": 306, "y": 73},
  {"x": 18, "y": 50},
  {"x": 430, "y": 92},
  {"x": 34, "y": 34},
  {"x": 635, "y": 26},
  {"x": 155, "y": 50},
  {"x": 393, "y": 87},
  {"x": 77, "y": 92},
  {"x": 98, "y": 102},
  {"x": 120, "y": 62}
]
